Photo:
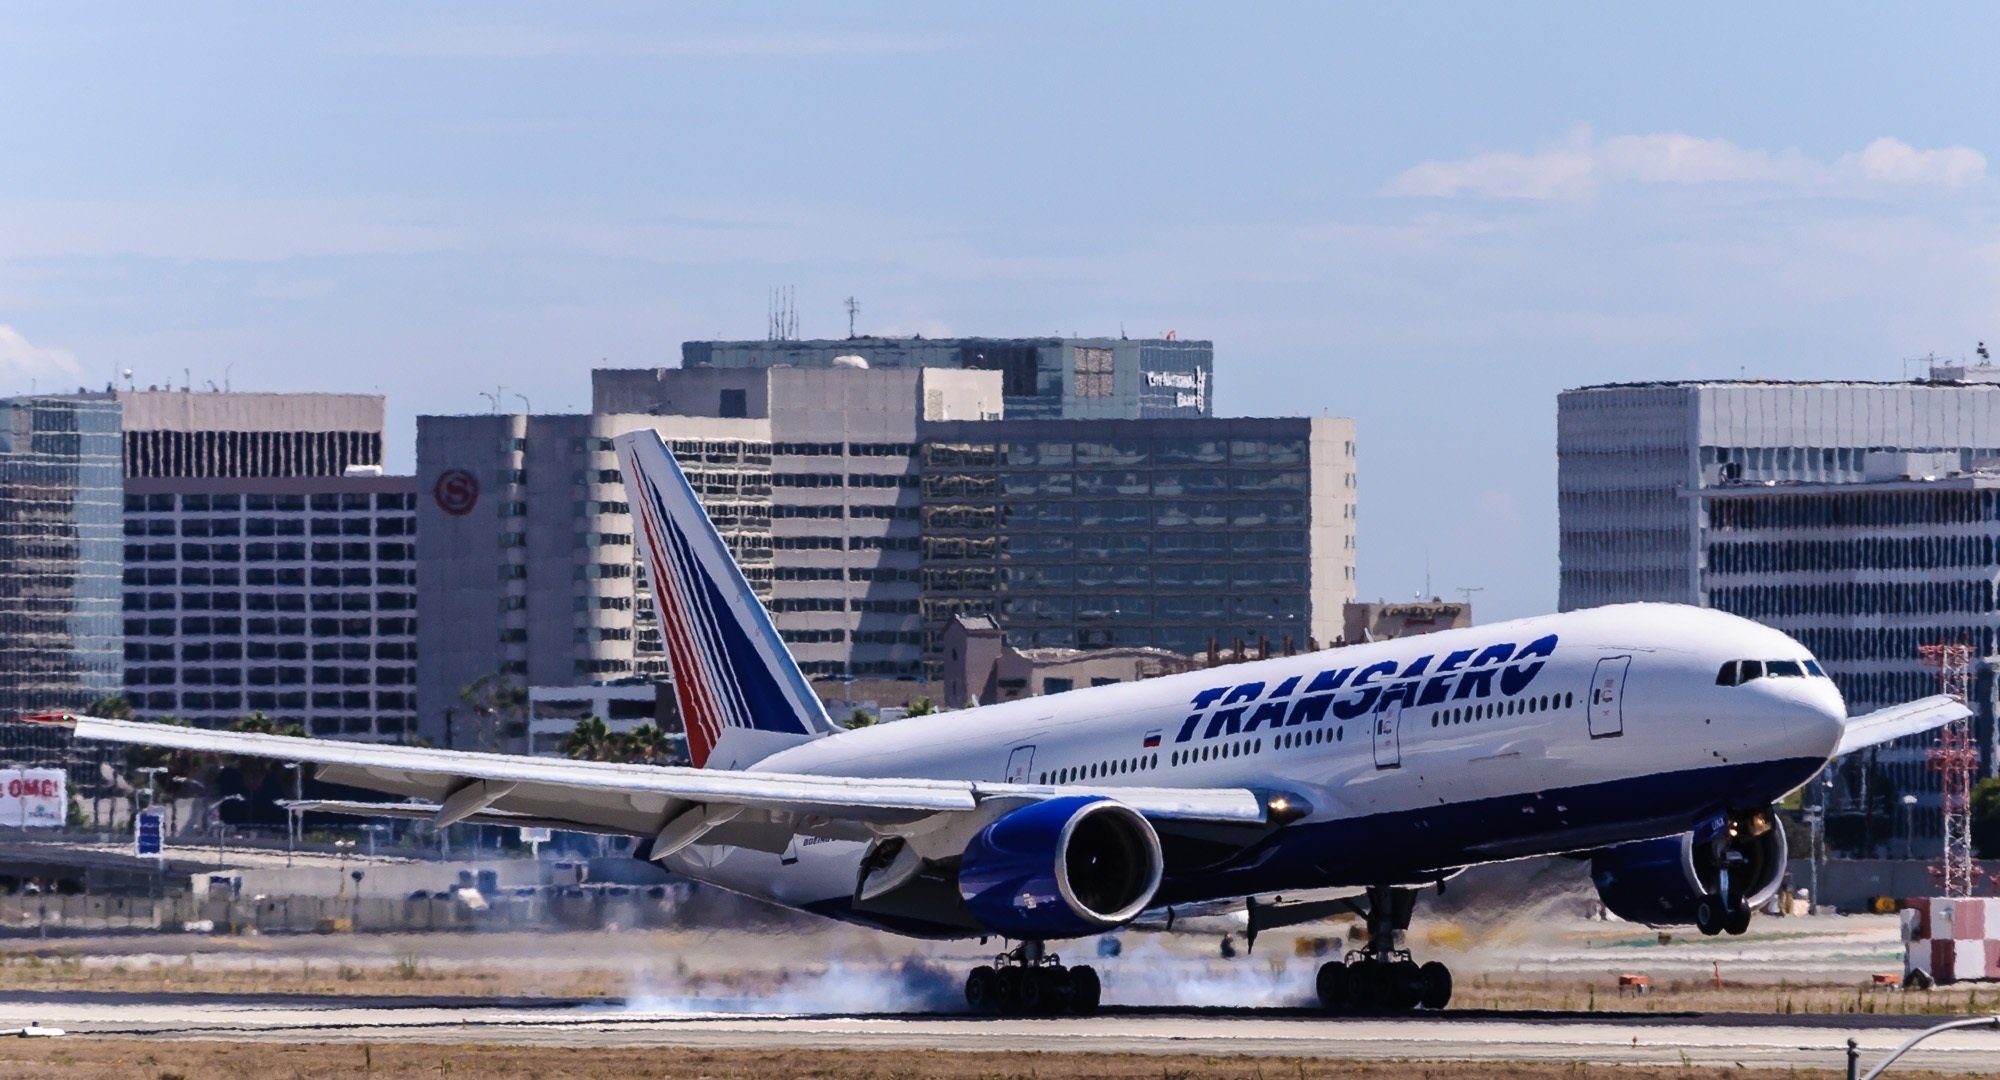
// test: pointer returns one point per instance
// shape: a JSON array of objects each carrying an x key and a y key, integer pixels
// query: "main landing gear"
[
  {"x": 1726, "y": 909},
  {"x": 1380, "y": 977},
  {"x": 1027, "y": 981}
]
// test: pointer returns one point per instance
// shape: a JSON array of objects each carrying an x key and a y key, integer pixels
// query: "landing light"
[{"x": 1283, "y": 809}]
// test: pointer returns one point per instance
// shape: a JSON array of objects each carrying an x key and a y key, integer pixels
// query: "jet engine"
[
  {"x": 1061, "y": 868},
  {"x": 1711, "y": 876}
]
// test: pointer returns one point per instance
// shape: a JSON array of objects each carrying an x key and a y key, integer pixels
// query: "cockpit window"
[
  {"x": 1813, "y": 668},
  {"x": 1738, "y": 672},
  {"x": 1727, "y": 676},
  {"x": 1785, "y": 669},
  {"x": 1750, "y": 669}
]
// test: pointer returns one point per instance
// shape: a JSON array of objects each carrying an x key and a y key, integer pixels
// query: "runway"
[{"x": 1665, "y": 1038}]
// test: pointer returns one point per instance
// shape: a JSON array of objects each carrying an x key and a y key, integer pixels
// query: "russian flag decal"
[{"x": 1152, "y": 741}]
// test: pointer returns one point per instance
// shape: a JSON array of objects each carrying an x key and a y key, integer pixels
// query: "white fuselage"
[{"x": 1417, "y": 756}]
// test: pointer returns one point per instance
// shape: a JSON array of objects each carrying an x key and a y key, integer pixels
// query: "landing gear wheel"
[
  {"x": 1336, "y": 987},
  {"x": 1038, "y": 991},
  {"x": 1007, "y": 991},
  {"x": 1738, "y": 919},
  {"x": 1708, "y": 915},
  {"x": 979, "y": 988},
  {"x": 1085, "y": 990},
  {"x": 1435, "y": 981},
  {"x": 1404, "y": 985}
]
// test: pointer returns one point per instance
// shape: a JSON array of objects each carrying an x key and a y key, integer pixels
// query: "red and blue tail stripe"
[{"x": 731, "y": 669}]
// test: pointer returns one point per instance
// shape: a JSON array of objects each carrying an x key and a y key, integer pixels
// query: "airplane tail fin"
[{"x": 742, "y": 696}]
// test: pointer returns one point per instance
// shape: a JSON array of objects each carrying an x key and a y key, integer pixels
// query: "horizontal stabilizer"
[{"x": 1898, "y": 721}]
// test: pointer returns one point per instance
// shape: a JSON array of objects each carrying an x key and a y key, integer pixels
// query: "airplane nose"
[{"x": 1817, "y": 720}]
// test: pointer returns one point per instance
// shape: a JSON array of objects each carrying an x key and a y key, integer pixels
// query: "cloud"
[
  {"x": 19, "y": 358},
  {"x": 529, "y": 42},
  {"x": 1582, "y": 163},
  {"x": 1897, "y": 162}
]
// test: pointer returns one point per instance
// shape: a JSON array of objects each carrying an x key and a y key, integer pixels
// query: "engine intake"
[
  {"x": 1660, "y": 882},
  {"x": 1061, "y": 868}
]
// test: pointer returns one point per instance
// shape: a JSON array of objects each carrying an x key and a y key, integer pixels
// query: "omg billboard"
[{"x": 33, "y": 797}]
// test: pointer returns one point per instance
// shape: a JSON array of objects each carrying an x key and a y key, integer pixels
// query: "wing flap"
[
  {"x": 1900, "y": 721},
  {"x": 638, "y": 798}
]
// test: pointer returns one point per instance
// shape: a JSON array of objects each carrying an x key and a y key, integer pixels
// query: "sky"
[{"x": 1429, "y": 217}]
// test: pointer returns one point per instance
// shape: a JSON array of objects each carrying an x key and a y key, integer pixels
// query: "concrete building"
[
  {"x": 1629, "y": 456},
  {"x": 526, "y": 570},
  {"x": 844, "y": 499},
  {"x": 179, "y": 433},
  {"x": 1043, "y": 377},
  {"x": 980, "y": 667},
  {"x": 293, "y": 596},
  {"x": 1169, "y": 534},
  {"x": 1381, "y": 620},
  {"x": 554, "y": 710},
  {"x": 60, "y": 630},
  {"x": 1862, "y": 574}
]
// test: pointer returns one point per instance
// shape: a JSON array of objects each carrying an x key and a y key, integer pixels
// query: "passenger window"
[
  {"x": 1727, "y": 676},
  {"x": 1785, "y": 669},
  {"x": 1750, "y": 669}
]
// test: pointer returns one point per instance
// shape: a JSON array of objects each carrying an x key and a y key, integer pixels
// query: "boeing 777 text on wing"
[{"x": 1650, "y": 739}]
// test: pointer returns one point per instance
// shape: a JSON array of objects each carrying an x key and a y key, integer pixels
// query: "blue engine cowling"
[
  {"x": 1659, "y": 882},
  {"x": 1061, "y": 868}
]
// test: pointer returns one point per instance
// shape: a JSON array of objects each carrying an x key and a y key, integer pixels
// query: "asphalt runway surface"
[{"x": 1473, "y": 1035}]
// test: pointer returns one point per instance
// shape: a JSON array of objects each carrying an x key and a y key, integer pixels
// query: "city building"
[
  {"x": 60, "y": 630},
  {"x": 1043, "y": 377},
  {"x": 292, "y": 595},
  {"x": 187, "y": 434},
  {"x": 981, "y": 668},
  {"x": 843, "y": 502},
  {"x": 553, "y": 712},
  {"x": 1381, "y": 620},
  {"x": 1628, "y": 457},
  {"x": 1862, "y": 574},
  {"x": 1171, "y": 534}
]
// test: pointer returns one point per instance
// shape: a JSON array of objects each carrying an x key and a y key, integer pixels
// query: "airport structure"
[
  {"x": 59, "y": 552},
  {"x": 1042, "y": 377},
  {"x": 1855, "y": 516}
]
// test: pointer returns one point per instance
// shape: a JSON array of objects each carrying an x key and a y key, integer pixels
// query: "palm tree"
[
  {"x": 590, "y": 741},
  {"x": 860, "y": 718},
  {"x": 646, "y": 743},
  {"x": 920, "y": 707}
]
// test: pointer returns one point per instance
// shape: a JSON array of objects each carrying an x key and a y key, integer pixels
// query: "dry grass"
[{"x": 128, "y": 1059}]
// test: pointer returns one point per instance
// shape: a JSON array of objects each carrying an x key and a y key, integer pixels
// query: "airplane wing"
[
  {"x": 678, "y": 804},
  {"x": 1897, "y": 721}
]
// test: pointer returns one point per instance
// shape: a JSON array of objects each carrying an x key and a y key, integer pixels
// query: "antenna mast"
[
  {"x": 853, "y": 309},
  {"x": 1955, "y": 758},
  {"x": 782, "y": 318}
]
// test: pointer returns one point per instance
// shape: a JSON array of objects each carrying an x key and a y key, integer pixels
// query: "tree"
[
  {"x": 590, "y": 740},
  {"x": 921, "y": 707},
  {"x": 860, "y": 718},
  {"x": 646, "y": 743},
  {"x": 114, "y": 707},
  {"x": 1986, "y": 818},
  {"x": 499, "y": 707}
]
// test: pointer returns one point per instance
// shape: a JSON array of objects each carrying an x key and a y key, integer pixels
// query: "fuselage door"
[
  {"x": 1607, "y": 697},
  {"x": 1021, "y": 764},
  {"x": 1388, "y": 741}
]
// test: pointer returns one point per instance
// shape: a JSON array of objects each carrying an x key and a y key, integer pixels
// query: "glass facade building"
[
  {"x": 1041, "y": 378},
  {"x": 60, "y": 551},
  {"x": 1172, "y": 534}
]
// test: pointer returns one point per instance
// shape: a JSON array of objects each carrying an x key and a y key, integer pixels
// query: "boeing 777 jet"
[{"x": 1649, "y": 739}]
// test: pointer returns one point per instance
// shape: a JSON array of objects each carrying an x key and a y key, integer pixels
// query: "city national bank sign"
[
  {"x": 34, "y": 797},
  {"x": 1190, "y": 387}
]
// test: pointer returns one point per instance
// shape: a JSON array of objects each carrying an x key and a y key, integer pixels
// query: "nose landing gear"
[
  {"x": 1379, "y": 976},
  {"x": 1028, "y": 981}
]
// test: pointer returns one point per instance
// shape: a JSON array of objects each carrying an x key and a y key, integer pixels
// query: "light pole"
[
  {"x": 292, "y": 812},
  {"x": 215, "y": 816},
  {"x": 1909, "y": 812}
]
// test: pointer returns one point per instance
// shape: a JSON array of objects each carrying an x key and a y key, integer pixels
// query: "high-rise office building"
[
  {"x": 1042, "y": 377},
  {"x": 1176, "y": 534},
  {"x": 180, "y": 433},
  {"x": 60, "y": 628}
]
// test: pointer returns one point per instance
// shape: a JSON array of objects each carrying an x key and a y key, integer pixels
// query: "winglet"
[
  {"x": 54, "y": 719},
  {"x": 733, "y": 676}
]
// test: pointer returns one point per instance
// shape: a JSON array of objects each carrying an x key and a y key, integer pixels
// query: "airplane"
[{"x": 1650, "y": 739}]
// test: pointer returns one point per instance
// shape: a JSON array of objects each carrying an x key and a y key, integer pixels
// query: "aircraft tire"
[
  {"x": 1435, "y": 980},
  {"x": 1405, "y": 985},
  {"x": 1007, "y": 991},
  {"x": 1085, "y": 990},
  {"x": 1737, "y": 921},
  {"x": 1708, "y": 915},
  {"x": 1037, "y": 991},
  {"x": 979, "y": 988},
  {"x": 1335, "y": 984}
]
